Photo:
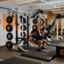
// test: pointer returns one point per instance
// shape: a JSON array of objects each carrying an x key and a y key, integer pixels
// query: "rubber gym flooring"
[
  {"x": 6, "y": 54},
  {"x": 15, "y": 60}
]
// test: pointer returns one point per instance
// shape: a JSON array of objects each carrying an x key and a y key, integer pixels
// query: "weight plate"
[
  {"x": 21, "y": 19},
  {"x": 34, "y": 27},
  {"x": 9, "y": 36},
  {"x": 37, "y": 16},
  {"x": 24, "y": 27},
  {"x": 9, "y": 44},
  {"x": 24, "y": 20},
  {"x": 21, "y": 34},
  {"x": 20, "y": 16},
  {"x": 9, "y": 19},
  {"x": 9, "y": 28},
  {"x": 24, "y": 34},
  {"x": 21, "y": 27},
  {"x": 35, "y": 21}
]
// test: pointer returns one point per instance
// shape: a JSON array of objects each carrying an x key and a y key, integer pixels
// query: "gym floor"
[{"x": 5, "y": 54}]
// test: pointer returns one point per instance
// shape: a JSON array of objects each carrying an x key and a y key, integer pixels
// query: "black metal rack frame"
[{"x": 17, "y": 38}]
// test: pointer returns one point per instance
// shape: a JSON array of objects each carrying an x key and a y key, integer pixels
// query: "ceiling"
[
  {"x": 45, "y": 4},
  {"x": 31, "y": 5}
]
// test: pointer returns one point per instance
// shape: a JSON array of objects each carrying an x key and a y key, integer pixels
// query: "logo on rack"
[{"x": 62, "y": 51}]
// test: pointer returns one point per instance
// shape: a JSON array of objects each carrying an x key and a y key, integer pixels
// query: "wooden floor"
[{"x": 5, "y": 54}]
